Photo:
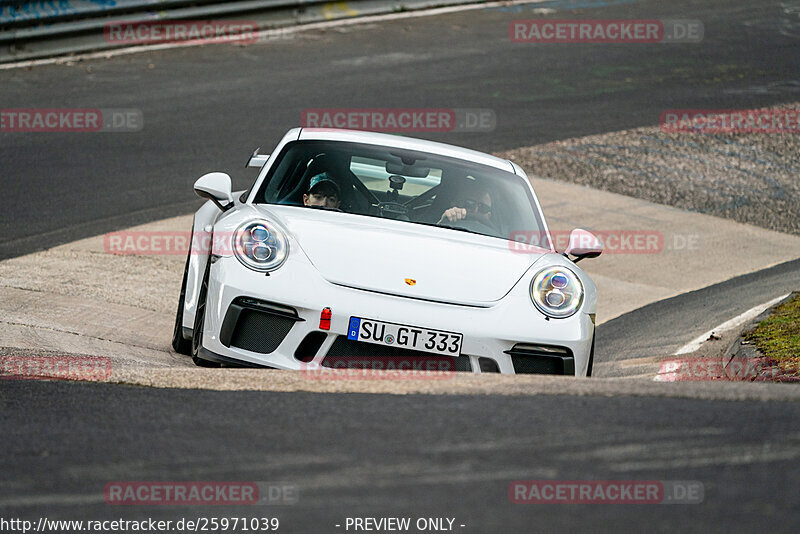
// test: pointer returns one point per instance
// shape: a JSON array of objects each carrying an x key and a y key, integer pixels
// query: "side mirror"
[
  {"x": 215, "y": 186},
  {"x": 583, "y": 244}
]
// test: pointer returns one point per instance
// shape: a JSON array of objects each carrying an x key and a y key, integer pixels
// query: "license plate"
[{"x": 404, "y": 336}]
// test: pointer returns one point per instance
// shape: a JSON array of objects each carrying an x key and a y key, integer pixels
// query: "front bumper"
[{"x": 498, "y": 332}]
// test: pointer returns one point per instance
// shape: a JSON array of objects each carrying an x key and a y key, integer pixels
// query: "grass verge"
[{"x": 778, "y": 336}]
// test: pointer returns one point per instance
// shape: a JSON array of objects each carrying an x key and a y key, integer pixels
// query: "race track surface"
[{"x": 438, "y": 456}]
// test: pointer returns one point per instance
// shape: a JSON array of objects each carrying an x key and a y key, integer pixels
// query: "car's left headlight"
[
  {"x": 260, "y": 245},
  {"x": 557, "y": 292}
]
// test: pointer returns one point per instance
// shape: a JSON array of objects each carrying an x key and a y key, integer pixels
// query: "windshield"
[{"x": 403, "y": 185}]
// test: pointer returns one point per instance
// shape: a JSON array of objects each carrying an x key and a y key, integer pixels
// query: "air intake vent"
[
  {"x": 542, "y": 359},
  {"x": 256, "y": 325},
  {"x": 308, "y": 348},
  {"x": 488, "y": 365}
]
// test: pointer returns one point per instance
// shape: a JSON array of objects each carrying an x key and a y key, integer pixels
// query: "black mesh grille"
[
  {"x": 344, "y": 348},
  {"x": 260, "y": 332}
]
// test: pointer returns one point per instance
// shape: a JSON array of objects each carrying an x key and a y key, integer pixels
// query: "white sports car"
[{"x": 359, "y": 245}]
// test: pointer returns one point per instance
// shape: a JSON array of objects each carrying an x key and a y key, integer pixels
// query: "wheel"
[
  {"x": 591, "y": 359},
  {"x": 180, "y": 343},
  {"x": 199, "y": 320}
]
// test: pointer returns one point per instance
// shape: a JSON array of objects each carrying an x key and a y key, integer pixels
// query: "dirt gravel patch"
[{"x": 751, "y": 178}]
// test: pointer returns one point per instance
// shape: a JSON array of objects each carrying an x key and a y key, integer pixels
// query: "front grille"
[
  {"x": 260, "y": 332},
  {"x": 542, "y": 359},
  {"x": 343, "y": 348},
  {"x": 256, "y": 325}
]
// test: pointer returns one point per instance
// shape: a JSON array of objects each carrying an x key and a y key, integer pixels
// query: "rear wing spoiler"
[{"x": 257, "y": 160}]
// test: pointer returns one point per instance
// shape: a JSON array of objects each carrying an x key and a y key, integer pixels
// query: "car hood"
[{"x": 406, "y": 259}]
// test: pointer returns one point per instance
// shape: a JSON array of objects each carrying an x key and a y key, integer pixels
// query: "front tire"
[
  {"x": 591, "y": 360},
  {"x": 180, "y": 343},
  {"x": 199, "y": 321}
]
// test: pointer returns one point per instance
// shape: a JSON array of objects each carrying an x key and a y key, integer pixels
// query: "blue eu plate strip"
[{"x": 352, "y": 331}]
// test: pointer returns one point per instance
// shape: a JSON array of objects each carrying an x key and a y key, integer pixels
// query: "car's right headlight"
[
  {"x": 260, "y": 245},
  {"x": 557, "y": 292}
]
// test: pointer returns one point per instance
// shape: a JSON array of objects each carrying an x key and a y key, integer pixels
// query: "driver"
[
  {"x": 473, "y": 204},
  {"x": 322, "y": 192}
]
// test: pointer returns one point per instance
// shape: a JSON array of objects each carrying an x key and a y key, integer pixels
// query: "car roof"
[{"x": 408, "y": 143}]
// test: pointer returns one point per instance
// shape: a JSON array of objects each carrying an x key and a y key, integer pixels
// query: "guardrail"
[
  {"x": 36, "y": 29},
  {"x": 21, "y": 12}
]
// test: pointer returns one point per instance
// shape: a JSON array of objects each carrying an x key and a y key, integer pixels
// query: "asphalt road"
[
  {"x": 207, "y": 108},
  {"x": 398, "y": 456},
  {"x": 661, "y": 328}
]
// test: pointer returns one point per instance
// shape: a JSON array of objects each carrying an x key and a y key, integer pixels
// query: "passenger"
[{"x": 474, "y": 203}]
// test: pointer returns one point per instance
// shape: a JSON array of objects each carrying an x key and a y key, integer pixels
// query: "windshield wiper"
[
  {"x": 323, "y": 208},
  {"x": 447, "y": 226}
]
